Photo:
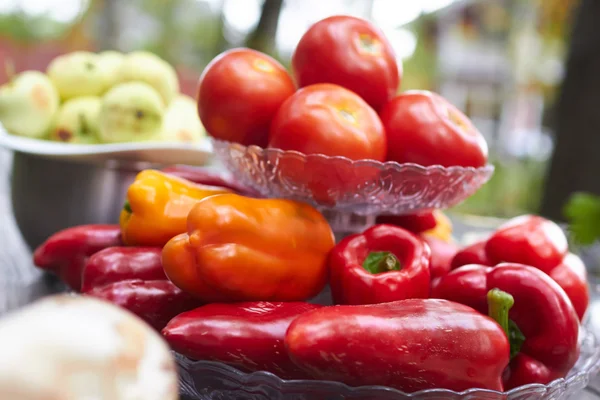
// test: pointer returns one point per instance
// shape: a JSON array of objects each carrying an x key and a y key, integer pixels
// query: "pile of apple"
[
  {"x": 107, "y": 97},
  {"x": 340, "y": 100}
]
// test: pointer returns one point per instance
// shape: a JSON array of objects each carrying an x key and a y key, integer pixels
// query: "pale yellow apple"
[
  {"x": 110, "y": 63},
  {"x": 147, "y": 67},
  {"x": 78, "y": 121},
  {"x": 28, "y": 104},
  {"x": 131, "y": 112},
  {"x": 77, "y": 74},
  {"x": 181, "y": 122}
]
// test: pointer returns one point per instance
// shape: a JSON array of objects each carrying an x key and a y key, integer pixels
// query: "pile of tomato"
[{"x": 341, "y": 99}]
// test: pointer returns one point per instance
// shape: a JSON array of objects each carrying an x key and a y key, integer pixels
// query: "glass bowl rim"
[{"x": 222, "y": 144}]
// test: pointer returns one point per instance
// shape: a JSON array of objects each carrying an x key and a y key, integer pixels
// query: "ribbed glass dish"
[
  {"x": 363, "y": 187},
  {"x": 205, "y": 380}
]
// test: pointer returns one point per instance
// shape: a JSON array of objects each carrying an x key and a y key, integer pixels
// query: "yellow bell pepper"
[
  {"x": 443, "y": 227},
  {"x": 157, "y": 207}
]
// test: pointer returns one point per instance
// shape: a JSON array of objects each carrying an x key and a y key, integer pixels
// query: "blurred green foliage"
[
  {"x": 515, "y": 188},
  {"x": 26, "y": 28}
]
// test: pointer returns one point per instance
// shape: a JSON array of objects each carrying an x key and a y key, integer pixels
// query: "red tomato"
[
  {"x": 240, "y": 90},
  {"x": 352, "y": 53},
  {"x": 424, "y": 128},
  {"x": 328, "y": 119}
]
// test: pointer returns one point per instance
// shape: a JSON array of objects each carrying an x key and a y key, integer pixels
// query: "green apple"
[
  {"x": 110, "y": 63},
  {"x": 131, "y": 112},
  {"x": 78, "y": 121},
  {"x": 28, "y": 104},
  {"x": 77, "y": 74},
  {"x": 146, "y": 67},
  {"x": 181, "y": 122}
]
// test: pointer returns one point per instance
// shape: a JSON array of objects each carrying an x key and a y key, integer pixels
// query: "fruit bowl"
[
  {"x": 160, "y": 153},
  {"x": 363, "y": 187},
  {"x": 204, "y": 380}
]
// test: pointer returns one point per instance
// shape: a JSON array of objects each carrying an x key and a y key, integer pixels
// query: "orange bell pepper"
[
  {"x": 243, "y": 249},
  {"x": 157, "y": 207}
]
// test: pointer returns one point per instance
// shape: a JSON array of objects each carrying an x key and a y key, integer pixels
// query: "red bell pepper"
[
  {"x": 247, "y": 335},
  {"x": 116, "y": 264},
  {"x": 410, "y": 345},
  {"x": 571, "y": 276},
  {"x": 472, "y": 254},
  {"x": 544, "y": 329},
  {"x": 384, "y": 263},
  {"x": 415, "y": 223},
  {"x": 537, "y": 242},
  {"x": 529, "y": 240},
  {"x": 442, "y": 253},
  {"x": 66, "y": 252},
  {"x": 203, "y": 176},
  {"x": 156, "y": 302}
]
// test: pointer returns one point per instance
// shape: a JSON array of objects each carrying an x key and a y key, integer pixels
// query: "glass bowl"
[
  {"x": 204, "y": 380},
  {"x": 363, "y": 187}
]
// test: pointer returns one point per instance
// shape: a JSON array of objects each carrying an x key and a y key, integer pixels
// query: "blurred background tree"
[{"x": 575, "y": 162}]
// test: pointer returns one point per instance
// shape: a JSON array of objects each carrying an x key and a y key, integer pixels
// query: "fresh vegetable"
[
  {"x": 205, "y": 176},
  {"x": 28, "y": 104},
  {"x": 142, "y": 66},
  {"x": 442, "y": 253},
  {"x": 116, "y": 264},
  {"x": 350, "y": 52},
  {"x": 242, "y": 249},
  {"x": 431, "y": 223},
  {"x": 239, "y": 92},
  {"x": 328, "y": 119},
  {"x": 443, "y": 227},
  {"x": 156, "y": 302},
  {"x": 571, "y": 276},
  {"x": 529, "y": 240},
  {"x": 544, "y": 329},
  {"x": 247, "y": 335},
  {"x": 416, "y": 223},
  {"x": 410, "y": 345},
  {"x": 384, "y": 263},
  {"x": 424, "y": 128},
  {"x": 67, "y": 347},
  {"x": 472, "y": 254},
  {"x": 157, "y": 207},
  {"x": 66, "y": 252},
  {"x": 539, "y": 243}
]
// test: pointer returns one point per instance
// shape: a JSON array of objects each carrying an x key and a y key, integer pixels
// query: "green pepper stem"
[
  {"x": 127, "y": 207},
  {"x": 381, "y": 261},
  {"x": 499, "y": 304}
]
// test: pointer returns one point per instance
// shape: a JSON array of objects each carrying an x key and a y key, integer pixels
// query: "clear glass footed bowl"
[
  {"x": 205, "y": 380},
  {"x": 362, "y": 187}
]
